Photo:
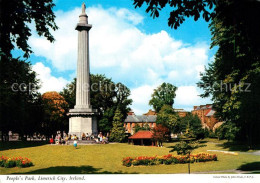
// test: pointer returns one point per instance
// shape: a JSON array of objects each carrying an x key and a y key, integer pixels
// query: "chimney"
[
  {"x": 130, "y": 113},
  {"x": 209, "y": 106}
]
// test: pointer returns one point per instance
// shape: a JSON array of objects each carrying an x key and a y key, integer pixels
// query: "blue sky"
[{"x": 129, "y": 46}]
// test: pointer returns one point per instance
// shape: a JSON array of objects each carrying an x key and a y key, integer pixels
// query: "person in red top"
[{"x": 51, "y": 140}]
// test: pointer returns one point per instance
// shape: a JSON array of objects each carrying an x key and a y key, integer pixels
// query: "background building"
[
  {"x": 132, "y": 120},
  {"x": 148, "y": 118},
  {"x": 142, "y": 138},
  {"x": 207, "y": 117},
  {"x": 181, "y": 112}
]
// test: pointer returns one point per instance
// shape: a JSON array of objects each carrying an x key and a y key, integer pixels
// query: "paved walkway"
[
  {"x": 239, "y": 152},
  {"x": 223, "y": 172},
  {"x": 253, "y": 153},
  {"x": 256, "y": 153}
]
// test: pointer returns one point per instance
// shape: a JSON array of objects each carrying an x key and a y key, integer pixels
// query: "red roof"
[
  {"x": 207, "y": 111},
  {"x": 142, "y": 135}
]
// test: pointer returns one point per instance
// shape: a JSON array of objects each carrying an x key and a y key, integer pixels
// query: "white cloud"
[
  {"x": 133, "y": 17},
  {"x": 122, "y": 51},
  {"x": 187, "y": 97},
  {"x": 141, "y": 96},
  {"x": 48, "y": 82},
  {"x": 62, "y": 53}
]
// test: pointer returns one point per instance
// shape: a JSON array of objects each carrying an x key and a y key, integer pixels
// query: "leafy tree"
[
  {"x": 21, "y": 110},
  {"x": 106, "y": 96},
  {"x": 69, "y": 94},
  {"x": 105, "y": 120},
  {"x": 15, "y": 17},
  {"x": 18, "y": 97},
  {"x": 118, "y": 131},
  {"x": 145, "y": 127},
  {"x": 54, "y": 112},
  {"x": 121, "y": 98},
  {"x": 137, "y": 128},
  {"x": 163, "y": 95},
  {"x": 168, "y": 118},
  {"x": 236, "y": 66},
  {"x": 191, "y": 125},
  {"x": 102, "y": 91},
  {"x": 180, "y": 9},
  {"x": 227, "y": 131},
  {"x": 160, "y": 134}
]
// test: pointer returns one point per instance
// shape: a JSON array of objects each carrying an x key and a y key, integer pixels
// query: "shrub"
[
  {"x": 23, "y": 162},
  {"x": 10, "y": 163},
  {"x": 2, "y": 161},
  {"x": 127, "y": 161},
  {"x": 15, "y": 162}
]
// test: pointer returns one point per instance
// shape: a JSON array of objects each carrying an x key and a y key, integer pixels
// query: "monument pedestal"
[{"x": 82, "y": 121}]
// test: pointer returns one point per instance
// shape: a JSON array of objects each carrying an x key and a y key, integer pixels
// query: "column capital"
[{"x": 83, "y": 26}]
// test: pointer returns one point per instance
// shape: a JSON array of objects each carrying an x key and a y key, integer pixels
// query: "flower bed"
[
  {"x": 15, "y": 162},
  {"x": 168, "y": 159}
]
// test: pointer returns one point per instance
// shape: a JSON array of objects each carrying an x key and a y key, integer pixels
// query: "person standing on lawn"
[{"x": 75, "y": 143}]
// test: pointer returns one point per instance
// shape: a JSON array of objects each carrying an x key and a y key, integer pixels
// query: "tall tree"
[
  {"x": 191, "y": 126},
  {"x": 118, "y": 131},
  {"x": 235, "y": 73},
  {"x": 168, "y": 118},
  {"x": 69, "y": 93},
  {"x": 163, "y": 95},
  {"x": 18, "y": 96},
  {"x": 160, "y": 134},
  {"x": 15, "y": 17},
  {"x": 54, "y": 113},
  {"x": 16, "y": 104}
]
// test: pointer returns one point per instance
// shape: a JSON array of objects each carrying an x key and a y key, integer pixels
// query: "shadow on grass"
[
  {"x": 20, "y": 144},
  {"x": 254, "y": 166},
  {"x": 237, "y": 146},
  {"x": 203, "y": 141},
  {"x": 72, "y": 170},
  {"x": 255, "y": 172}
]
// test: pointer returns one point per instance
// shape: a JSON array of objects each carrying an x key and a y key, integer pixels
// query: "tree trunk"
[
  {"x": 189, "y": 164},
  {"x": 2, "y": 136},
  {"x": 250, "y": 136}
]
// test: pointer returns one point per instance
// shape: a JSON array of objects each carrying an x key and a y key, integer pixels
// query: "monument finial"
[{"x": 83, "y": 6}]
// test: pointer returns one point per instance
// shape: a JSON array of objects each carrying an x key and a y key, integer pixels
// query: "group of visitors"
[
  {"x": 87, "y": 136},
  {"x": 102, "y": 139},
  {"x": 62, "y": 139}
]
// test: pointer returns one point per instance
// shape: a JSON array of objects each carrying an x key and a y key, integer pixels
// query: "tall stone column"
[
  {"x": 83, "y": 117},
  {"x": 83, "y": 88}
]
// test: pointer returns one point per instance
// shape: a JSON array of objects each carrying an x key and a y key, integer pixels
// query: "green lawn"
[{"x": 55, "y": 159}]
